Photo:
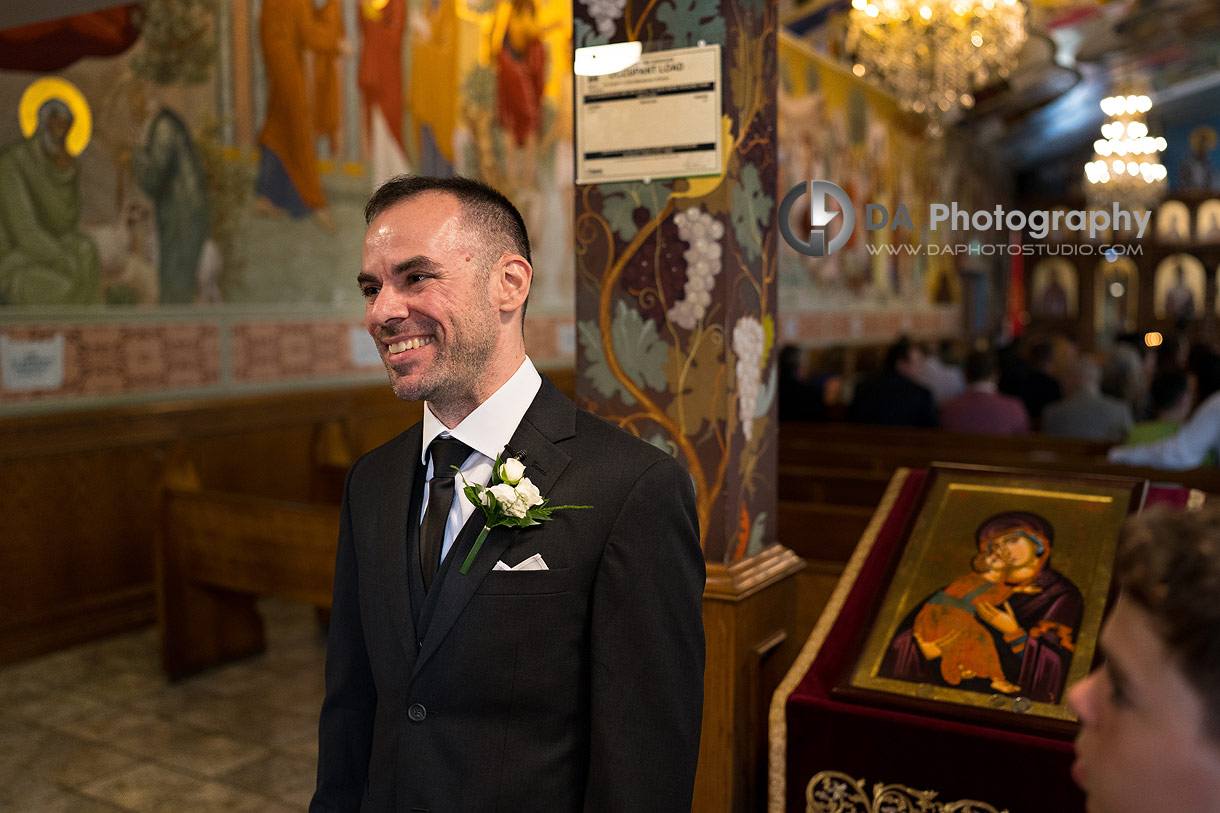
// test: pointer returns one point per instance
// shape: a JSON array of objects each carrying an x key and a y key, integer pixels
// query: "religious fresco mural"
[
  {"x": 188, "y": 152},
  {"x": 205, "y": 164},
  {"x": 835, "y": 126},
  {"x": 675, "y": 312}
]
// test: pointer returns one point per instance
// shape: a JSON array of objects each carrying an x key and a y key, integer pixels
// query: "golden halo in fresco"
[{"x": 52, "y": 87}]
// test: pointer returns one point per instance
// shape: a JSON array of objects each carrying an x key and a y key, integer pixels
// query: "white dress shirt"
[
  {"x": 1185, "y": 449},
  {"x": 487, "y": 430}
]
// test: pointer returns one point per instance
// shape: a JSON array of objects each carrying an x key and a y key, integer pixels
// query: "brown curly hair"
[{"x": 1169, "y": 564}]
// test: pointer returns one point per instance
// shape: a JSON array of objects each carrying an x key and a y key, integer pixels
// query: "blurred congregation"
[{"x": 1130, "y": 394}]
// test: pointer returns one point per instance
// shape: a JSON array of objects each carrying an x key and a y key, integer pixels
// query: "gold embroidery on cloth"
[{"x": 835, "y": 792}]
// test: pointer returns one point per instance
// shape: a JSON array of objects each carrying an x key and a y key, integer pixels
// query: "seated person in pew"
[
  {"x": 982, "y": 408},
  {"x": 894, "y": 396},
  {"x": 1170, "y": 397},
  {"x": 943, "y": 377},
  {"x": 1031, "y": 380},
  {"x": 1192, "y": 446},
  {"x": 800, "y": 398},
  {"x": 1149, "y": 735},
  {"x": 1086, "y": 412}
]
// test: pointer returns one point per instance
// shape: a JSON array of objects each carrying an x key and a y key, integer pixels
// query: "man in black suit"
[{"x": 575, "y": 685}]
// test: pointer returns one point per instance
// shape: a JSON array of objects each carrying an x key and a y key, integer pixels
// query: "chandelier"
[
  {"x": 1126, "y": 168},
  {"x": 934, "y": 54}
]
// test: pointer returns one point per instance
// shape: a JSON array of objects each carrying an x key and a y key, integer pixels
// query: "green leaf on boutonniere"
[{"x": 510, "y": 500}]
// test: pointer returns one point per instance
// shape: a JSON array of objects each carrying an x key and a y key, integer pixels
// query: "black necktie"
[{"x": 446, "y": 453}]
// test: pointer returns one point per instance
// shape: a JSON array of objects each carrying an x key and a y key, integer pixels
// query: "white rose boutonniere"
[
  {"x": 511, "y": 471},
  {"x": 510, "y": 500}
]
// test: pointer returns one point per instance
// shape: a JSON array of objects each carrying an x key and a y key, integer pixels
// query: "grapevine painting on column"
[{"x": 676, "y": 278}]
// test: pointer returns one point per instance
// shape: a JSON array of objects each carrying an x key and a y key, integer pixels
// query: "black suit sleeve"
[
  {"x": 648, "y": 651},
  {"x": 928, "y": 414},
  {"x": 345, "y": 730}
]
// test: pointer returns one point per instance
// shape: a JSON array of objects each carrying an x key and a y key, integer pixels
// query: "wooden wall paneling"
[
  {"x": 267, "y": 462},
  {"x": 76, "y": 558},
  {"x": 754, "y": 630}
]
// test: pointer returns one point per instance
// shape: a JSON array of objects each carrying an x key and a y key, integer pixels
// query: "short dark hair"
[
  {"x": 790, "y": 357},
  {"x": 1168, "y": 388},
  {"x": 1169, "y": 564},
  {"x": 899, "y": 351},
  {"x": 485, "y": 210},
  {"x": 1041, "y": 354},
  {"x": 980, "y": 365},
  {"x": 484, "y": 206}
]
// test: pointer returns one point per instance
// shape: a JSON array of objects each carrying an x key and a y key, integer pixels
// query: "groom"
[{"x": 575, "y": 685}]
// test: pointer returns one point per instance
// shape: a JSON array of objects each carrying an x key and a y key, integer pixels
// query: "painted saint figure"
[
  {"x": 44, "y": 258},
  {"x": 288, "y": 179},
  {"x": 433, "y": 93},
  {"x": 1033, "y": 632},
  {"x": 1196, "y": 174},
  {"x": 327, "y": 118},
  {"x": 168, "y": 170},
  {"x": 382, "y": 26},
  {"x": 521, "y": 68},
  {"x": 1179, "y": 298},
  {"x": 1053, "y": 304}
]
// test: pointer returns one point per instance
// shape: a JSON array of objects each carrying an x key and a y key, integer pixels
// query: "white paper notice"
[
  {"x": 364, "y": 351},
  {"x": 660, "y": 118},
  {"x": 32, "y": 364}
]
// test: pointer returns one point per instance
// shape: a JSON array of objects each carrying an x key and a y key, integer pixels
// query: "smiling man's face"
[{"x": 429, "y": 303}]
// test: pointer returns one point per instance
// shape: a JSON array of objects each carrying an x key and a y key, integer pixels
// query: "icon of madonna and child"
[{"x": 1007, "y": 627}]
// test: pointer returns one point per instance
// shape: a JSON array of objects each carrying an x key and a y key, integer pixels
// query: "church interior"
[{"x": 880, "y": 274}]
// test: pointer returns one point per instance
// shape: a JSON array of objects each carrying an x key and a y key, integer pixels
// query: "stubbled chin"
[{"x": 407, "y": 389}]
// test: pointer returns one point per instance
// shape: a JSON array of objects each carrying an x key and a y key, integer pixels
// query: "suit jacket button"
[{"x": 417, "y": 713}]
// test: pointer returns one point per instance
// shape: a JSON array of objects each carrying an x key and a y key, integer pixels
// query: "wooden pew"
[
  {"x": 219, "y": 553},
  {"x": 831, "y": 475}
]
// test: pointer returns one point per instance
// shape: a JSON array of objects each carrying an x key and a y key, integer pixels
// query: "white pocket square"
[{"x": 535, "y": 562}]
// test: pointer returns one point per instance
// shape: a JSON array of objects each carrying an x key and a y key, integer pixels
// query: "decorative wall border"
[
  {"x": 862, "y": 326},
  {"x": 112, "y": 363}
]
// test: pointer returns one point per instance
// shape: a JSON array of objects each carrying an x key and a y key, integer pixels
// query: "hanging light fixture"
[
  {"x": 934, "y": 54},
  {"x": 1126, "y": 168}
]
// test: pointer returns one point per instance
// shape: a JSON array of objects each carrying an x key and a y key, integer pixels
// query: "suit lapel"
[
  {"x": 392, "y": 524},
  {"x": 550, "y": 418}
]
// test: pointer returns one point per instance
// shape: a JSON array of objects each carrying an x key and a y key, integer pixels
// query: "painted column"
[{"x": 676, "y": 291}]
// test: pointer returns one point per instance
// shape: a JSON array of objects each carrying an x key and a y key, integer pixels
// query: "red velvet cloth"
[
  {"x": 1023, "y": 772},
  {"x": 55, "y": 44}
]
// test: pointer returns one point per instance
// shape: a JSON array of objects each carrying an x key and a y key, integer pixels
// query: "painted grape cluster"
[
  {"x": 605, "y": 13},
  {"x": 702, "y": 233},
  {"x": 749, "y": 342}
]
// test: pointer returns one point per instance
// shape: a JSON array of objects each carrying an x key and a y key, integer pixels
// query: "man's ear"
[{"x": 512, "y": 280}]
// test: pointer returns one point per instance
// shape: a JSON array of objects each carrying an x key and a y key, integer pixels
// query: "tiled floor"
[{"x": 99, "y": 728}]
